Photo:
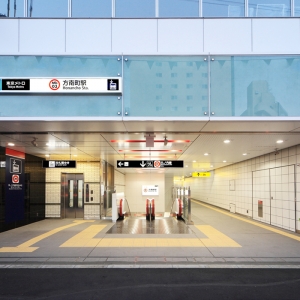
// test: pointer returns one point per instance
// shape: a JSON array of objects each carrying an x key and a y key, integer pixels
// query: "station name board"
[
  {"x": 59, "y": 163},
  {"x": 150, "y": 164},
  {"x": 62, "y": 85}
]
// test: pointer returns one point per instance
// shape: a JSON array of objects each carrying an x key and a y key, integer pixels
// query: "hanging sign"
[
  {"x": 59, "y": 163},
  {"x": 150, "y": 164},
  {"x": 201, "y": 174},
  {"x": 78, "y": 85}
]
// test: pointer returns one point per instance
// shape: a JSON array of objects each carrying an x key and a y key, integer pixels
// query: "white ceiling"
[{"x": 91, "y": 141}]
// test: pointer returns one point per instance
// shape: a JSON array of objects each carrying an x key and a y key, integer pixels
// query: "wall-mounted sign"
[
  {"x": 14, "y": 185},
  {"x": 76, "y": 85},
  {"x": 150, "y": 190},
  {"x": 59, "y": 163},
  {"x": 201, "y": 174},
  {"x": 152, "y": 164},
  {"x": 2, "y": 164}
]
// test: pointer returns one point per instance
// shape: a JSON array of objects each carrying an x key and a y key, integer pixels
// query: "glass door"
[{"x": 72, "y": 195}]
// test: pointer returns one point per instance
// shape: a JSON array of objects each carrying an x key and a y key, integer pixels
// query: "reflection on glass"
[
  {"x": 71, "y": 193},
  {"x": 269, "y": 8},
  {"x": 91, "y": 8},
  {"x": 178, "y": 8},
  {"x": 297, "y": 8},
  {"x": 48, "y": 9},
  {"x": 80, "y": 192},
  {"x": 135, "y": 8},
  {"x": 221, "y": 8},
  {"x": 165, "y": 86},
  {"x": 11, "y": 8},
  {"x": 255, "y": 86}
]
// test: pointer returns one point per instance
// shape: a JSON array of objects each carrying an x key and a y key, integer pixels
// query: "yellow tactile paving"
[
  {"x": 294, "y": 237},
  {"x": 26, "y": 247},
  {"x": 85, "y": 238}
]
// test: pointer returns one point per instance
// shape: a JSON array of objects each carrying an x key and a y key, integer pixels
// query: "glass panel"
[
  {"x": 135, "y": 8},
  {"x": 221, "y": 8},
  {"x": 255, "y": 86},
  {"x": 60, "y": 105},
  {"x": 165, "y": 86},
  {"x": 12, "y": 10},
  {"x": 48, "y": 9},
  {"x": 91, "y": 9},
  {"x": 297, "y": 8},
  {"x": 269, "y": 8},
  {"x": 71, "y": 193},
  {"x": 80, "y": 192},
  {"x": 178, "y": 8}
]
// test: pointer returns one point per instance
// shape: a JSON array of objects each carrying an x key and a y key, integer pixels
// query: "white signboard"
[
  {"x": 150, "y": 190},
  {"x": 62, "y": 85}
]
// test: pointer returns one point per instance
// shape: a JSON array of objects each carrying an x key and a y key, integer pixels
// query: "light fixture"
[
  {"x": 205, "y": 154},
  {"x": 47, "y": 155},
  {"x": 211, "y": 166},
  {"x": 224, "y": 160},
  {"x": 165, "y": 141},
  {"x": 34, "y": 143},
  {"x": 194, "y": 161},
  {"x": 279, "y": 141},
  {"x": 150, "y": 139},
  {"x": 10, "y": 144},
  {"x": 227, "y": 141},
  {"x": 244, "y": 153}
]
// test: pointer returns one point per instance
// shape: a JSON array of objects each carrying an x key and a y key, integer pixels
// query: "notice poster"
[{"x": 14, "y": 185}]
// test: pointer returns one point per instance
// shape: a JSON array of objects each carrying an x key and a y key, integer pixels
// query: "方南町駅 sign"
[{"x": 78, "y": 85}]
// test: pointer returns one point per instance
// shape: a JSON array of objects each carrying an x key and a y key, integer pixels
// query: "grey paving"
[{"x": 259, "y": 246}]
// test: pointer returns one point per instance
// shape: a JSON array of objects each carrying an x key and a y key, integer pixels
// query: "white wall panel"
[
  {"x": 42, "y": 36},
  {"x": 88, "y": 36},
  {"x": 227, "y": 36},
  {"x": 276, "y": 36},
  {"x": 180, "y": 36},
  {"x": 9, "y": 36},
  {"x": 134, "y": 36}
]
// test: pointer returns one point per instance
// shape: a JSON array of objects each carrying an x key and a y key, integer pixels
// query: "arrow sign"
[{"x": 150, "y": 164}]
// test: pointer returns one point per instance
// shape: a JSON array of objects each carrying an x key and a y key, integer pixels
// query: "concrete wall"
[
  {"x": 154, "y": 36},
  {"x": 253, "y": 178},
  {"x": 133, "y": 191}
]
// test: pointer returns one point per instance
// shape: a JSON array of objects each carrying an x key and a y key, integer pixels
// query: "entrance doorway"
[{"x": 72, "y": 195}]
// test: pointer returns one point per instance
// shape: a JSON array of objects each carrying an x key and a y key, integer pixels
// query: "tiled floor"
[{"x": 217, "y": 237}]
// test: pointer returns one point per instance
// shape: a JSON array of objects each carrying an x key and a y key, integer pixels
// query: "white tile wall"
[
  {"x": 215, "y": 189},
  {"x": 91, "y": 173},
  {"x": 119, "y": 182}
]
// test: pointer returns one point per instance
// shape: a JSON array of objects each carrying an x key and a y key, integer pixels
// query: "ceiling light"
[
  {"x": 227, "y": 141},
  {"x": 186, "y": 166},
  {"x": 244, "y": 153},
  {"x": 224, "y": 160},
  {"x": 47, "y": 155},
  {"x": 194, "y": 161},
  {"x": 75, "y": 155},
  {"x": 279, "y": 141},
  {"x": 211, "y": 166},
  {"x": 205, "y": 154},
  {"x": 10, "y": 144}
]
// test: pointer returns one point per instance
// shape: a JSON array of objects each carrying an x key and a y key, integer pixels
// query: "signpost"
[{"x": 150, "y": 164}]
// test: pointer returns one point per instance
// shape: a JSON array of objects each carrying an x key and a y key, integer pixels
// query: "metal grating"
[{"x": 157, "y": 226}]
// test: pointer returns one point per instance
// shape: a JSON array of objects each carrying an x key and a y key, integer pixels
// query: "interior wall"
[
  {"x": 119, "y": 182},
  {"x": 233, "y": 185},
  {"x": 168, "y": 192},
  {"x": 133, "y": 191}
]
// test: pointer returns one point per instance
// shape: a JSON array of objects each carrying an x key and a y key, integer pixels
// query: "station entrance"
[{"x": 72, "y": 195}]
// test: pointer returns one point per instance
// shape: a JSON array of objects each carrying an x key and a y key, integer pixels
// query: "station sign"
[
  {"x": 59, "y": 163},
  {"x": 201, "y": 174},
  {"x": 66, "y": 85},
  {"x": 150, "y": 164}
]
